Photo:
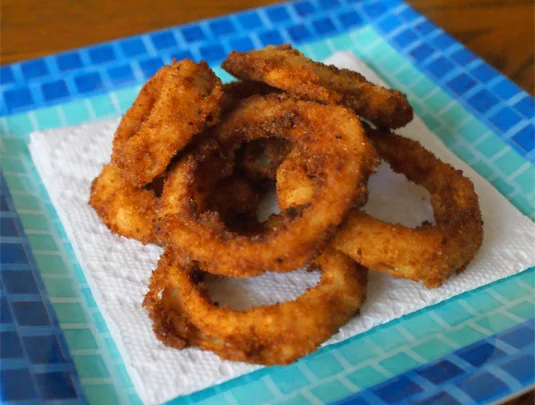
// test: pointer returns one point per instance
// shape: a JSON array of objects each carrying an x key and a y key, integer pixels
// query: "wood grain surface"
[{"x": 500, "y": 31}]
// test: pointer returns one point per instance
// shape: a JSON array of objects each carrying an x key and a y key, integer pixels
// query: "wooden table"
[{"x": 500, "y": 31}]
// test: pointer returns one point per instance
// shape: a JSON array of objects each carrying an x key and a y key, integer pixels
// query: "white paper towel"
[{"x": 118, "y": 269}]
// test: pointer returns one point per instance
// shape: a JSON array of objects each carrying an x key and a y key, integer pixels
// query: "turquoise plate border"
[{"x": 363, "y": 365}]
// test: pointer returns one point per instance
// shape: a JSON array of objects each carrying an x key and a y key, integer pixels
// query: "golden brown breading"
[
  {"x": 273, "y": 334},
  {"x": 430, "y": 254},
  {"x": 261, "y": 158},
  {"x": 331, "y": 139},
  {"x": 125, "y": 209},
  {"x": 287, "y": 69},
  {"x": 177, "y": 103}
]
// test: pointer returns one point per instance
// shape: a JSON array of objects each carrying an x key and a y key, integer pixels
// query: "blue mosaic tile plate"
[{"x": 475, "y": 348}]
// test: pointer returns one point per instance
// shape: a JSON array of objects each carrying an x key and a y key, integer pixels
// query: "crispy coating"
[
  {"x": 125, "y": 209},
  {"x": 337, "y": 154},
  {"x": 286, "y": 68},
  {"x": 261, "y": 158},
  {"x": 428, "y": 253},
  {"x": 273, "y": 334},
  {"x": 177, "y": 103},
  {"x": 236, "y": 91}
]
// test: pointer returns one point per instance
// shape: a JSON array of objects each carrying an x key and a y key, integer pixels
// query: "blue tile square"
[
  {"x": 121, "y": 74},
  {"x": 422, "y": 52},
  {"x": 4, "y": 206},
  {"x": 440, "y": 67},
  {"x": 277, "y": 14},
  {"x": 443, "y": 41},
  {"x": 483, "y": 100},
  {"x": 519, "y": 337},
  {"x": 521, "y": 368},
  {"x": 133, "y": 47},
  {"x": 526, "y": 106},
  {"x": 243, "y": 44},
  {"x": 54, "y": 90},
  {"x": 304, "y": 8},
  {"x": 249, "y": 20},
  {"x": 150, "y": 66},
  {"x": 374, "y": 9},
  {"x": 182, "y": 55},
  {"x": 324, "y": 26},
  {"x": 463, "y": 56},
  {"x": 163, "y": 40},
  {"x": 439, "y": 372},
  {"x": 480, "y": 353},
  {"x": 34, "y": 68},
  {"x": 350, "y": 19},
  {"x": 6, "y": 75},
  {"x": 223, "y": 26},
  {"x": 212, "y": 53},
  {"x": 442, "y": 398},
  {"x": 390, "y": 23},
  {"x": 484, "y": 73},
  {"x": 483, "y": 387},
  {"x": 270, "y": 38},
  {"x": 43, "y": 349},
  {"x": 55, "y": 385},
  {"x": 17, "y": 385},
  {"x": 299, "y": 33},
  {"x": 328, "y": 4},
  {"x": 324, "y": 365},
  {"x": 5, "y": 311},
  {"x": 408, "y": 14},
  {"x": 355, "y": 399},
  {"x": 18, "y": 98},
  {"x": 505, "y": 89},
  {"x": 10, "y": 347},
  {"x": 397, "y": 389},
  {"x": 19, "y": 282},
  {"x": 461, "y": 84},
  {"x": 405, "y": 38},
  {"x": 288, "y": 379},
  {"x": 101, "y": 54},
  {"x": 505, "y": 119},
  {"x": 30, "y": 313},
  {"x": 425, "y": 27},
  {"x": 89, "y": 82},
  {"x": 8, "y": 227},
  {"x": 193, "y": 33},
  {"x": 525, "y": 138},
  {"x": 69, "y": 61},
  {"x": 12, "y": 253}
]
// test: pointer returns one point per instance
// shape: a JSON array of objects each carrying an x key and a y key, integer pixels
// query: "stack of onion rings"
[{"x": 291, "y": 125}]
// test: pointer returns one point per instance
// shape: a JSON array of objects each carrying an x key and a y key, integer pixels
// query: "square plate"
[{"x": 477, "y": 347}]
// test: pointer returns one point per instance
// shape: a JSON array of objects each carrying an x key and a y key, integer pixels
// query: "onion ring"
[
  {"x": 331, "y": 139},
  {"x": 273, "y": 334},
  {"x": 428, "y": 253},
  {"x": 288, "y": 69},
  {"x": 125, "y": 209},
  {"x": 177, "y": 103},
  {"x": 261, "y": 158}
]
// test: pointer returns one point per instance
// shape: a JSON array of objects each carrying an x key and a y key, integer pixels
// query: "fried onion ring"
[
  {"x": 125, "y": 209},
  {"x": 261, "y": 158},
  {"x": 177, "y": 103},
  {"x": 288, "y": 69},
  {"x": 428, "y": 253},
  {"x": 337, "y": 154},
  {"x": 273, "y": 334}
]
